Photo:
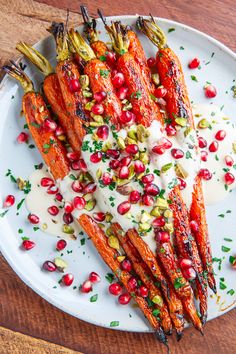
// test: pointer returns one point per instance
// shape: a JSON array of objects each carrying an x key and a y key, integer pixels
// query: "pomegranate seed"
[
  {"x": 49, "y": 125},
  {"x": 149, "y": 178},
  {"x": 151, "y": 62},
  {"x": 123, "y": 208},
  {"x": 94, "y": 277},
  {"x": 100, "y": 96},
  {"x": 79, "y": 203},
  {"x": 118, "y": 80},
  {"x": 68, "y": 207},
  {"x": 139, "y": 166},
  {"x": 82, "y": 165},
  {"x": 22, "y": 138},
  {"x": 122, "y": 93},
  {"x": 125, "y": 161},
  {"x": 52, "y": 190},
  {"x": 160, "y": 92},
  {"x": 89, "y": 188},
  {"x": 205, "y": 174},
  {"x": 177, "y": 153},
  {"x": 9, "y": 201},
  {"x": 28, "y": 245},
  {"x": 229, "y": 161},
  {"x": 194, "y": 63},
  {"x": 162, "y": 236},
  {"x": 210, "y": 91},
  {"x": 61, "y": 244},
  {"x": 143, "y": 291},
  {"x": 72, "y": 156},
  {"x": 67, "y": 279},
  {"x": 220, "y": 135},
  {"x": 126, "y": 265},
  {"x": 34, "y": 219},
  {"x": 202, "y": 143},
  {"x": 97, "y": 109},
  {"x": 68, "y": 218},
  {"x": 106, "y": 178},
  {"x": 189, "y": 273},
  {"x": 132, "y": 282},
  {"x": 115, "y": 289},
  {"x": 77, "y": 186},
  {"x": 47, "y": 182},
  {"x": 59, "y": 197},
  {"x": 113, "y": 153},
  {"x": 49, "y": 266},
  {"x": 134, "y": 197},
  {"x": 103, "y": 132},
  {"x": 96, "y": 157},
  {"x": 158, "y": 149},
  {"x": 148, "y": 200},
  {"x": 110, "y": 58},
  {"x": 194, "y": 226},
  {"x": 53, "y": 210},
  {"x": 204, "y": 155},
  {"x": 124, "y": 172},
  {"x": 167, "y": 144},
  {"x": 170, "y": 130},
  {"x": 74, "y": 85},
  {"x": 151, "y": 189},
  {"x": 124, "y": 299},
  {"x": 99, "y": 216},
  {"x": 127, "y": 117},
  {"x": 59, "y": 131},
  {"x": 229, "y": 178},
  {"x": 182, "y": 184},
  {"x": 131, "y": 149},
  {"x": 185, "y": 263},
  {"x": 213, "y": 147},
  {"x": 159, "y": 222},
  {"x": 86, "y": 287},
  {"x": 114, "y": 164}
]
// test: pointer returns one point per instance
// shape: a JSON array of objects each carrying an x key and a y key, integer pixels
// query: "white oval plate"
[{"x": 217, "y": 68}]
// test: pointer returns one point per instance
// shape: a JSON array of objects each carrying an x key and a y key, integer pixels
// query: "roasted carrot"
[
  {"x": 109, "y": 255},
  {"x": 145, "y": 275},
  {"x": 143, "y": 106},
  {"x": 35, "y": 111},
  {"x": 52, "y": 92},
  {"x": 99, "y": 76}
]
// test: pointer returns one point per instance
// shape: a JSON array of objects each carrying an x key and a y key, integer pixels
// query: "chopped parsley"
[
  {"x": 19, "y": 205},
  {"x": 104, "y": 72},
  {"x": 178, "y": 283},
  {"x": 110, "y": 277},
  {"x": 231, "y": 292},
  {"x": 93, "y": 298},
  {"x": 85, "y": 146},
  {"x": 114, "y": 323},
  {"x": 172, "y": 29},
  {"x": 193, "y": 78},
  {"x": 225, "y": 249},
  {"x": 82, "y": 241},
  {"x": 3, "y": 213}
]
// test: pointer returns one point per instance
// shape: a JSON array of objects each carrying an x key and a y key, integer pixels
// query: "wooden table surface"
[{"x": 21, "y": 309}]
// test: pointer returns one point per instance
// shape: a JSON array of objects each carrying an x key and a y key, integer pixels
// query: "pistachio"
[
  {"x": 157, "y": 299},
  {"x": 142, "y": 133},
  {"x": 121, "y": 143},
  {"x": 197, "y": 115},
  {"x": 67, "y": 229},
  {"x": 142, "y": 227},
  {"x": 143, "y": 156},
  {"x": 145, "y": 217},
  {"x": 95, "y": 137},
  {"x": 107, "y": 145},
  {"x": 169, "y": 227},
  {"x": 181, "y": 121},
  {"x": 99, "y": 173},
  {"x": 121, "y": 182},
  {"x": 180, "y": 171},
  {"x": 41, "y": 109},
  {"x": 97, "y": 118},
  {"x": 95, "y": 124},
  {"x": 109, "y": 231},
  {"x": 234, "y": 147},
  {"x": 108, "y": 217},
  {"x": 166, "y": 167},
  {"x": 225, "y": 118},
  {"x": 89, "y": 106},
  {"x": 203, "y": 124},
  {"x": 132, "y": 134},
  {"x": 155, "y": 212},
  {"x": 156, "y": 79},
  {"x": 20, "y": 183},
  {"x": 187, "y": 131},
  {"x": 124, "y": 190},
  {"x": 120, "y": 258},
  {"x": 62, "y": 137},
  {"x": 90, "y": 204},
  {"x": 129, "y": 141},
  {"x": 61, "y": 264},
  {"x": 140, "y": 175},
  {"x": 101, "y": 225},
  {"x": 161, "y": 203},
  {"x": 113, "y": 242},
  {"x": 84, "y": 81},
  {"x": 44, "y": 226},
  {"x": 127, "y": 106},
  {"x": 87, "y": 93},
  {"x": 87, "y": 177},
  {"x": 168, "y": 214},
  {"x": 131, "y": 172}
]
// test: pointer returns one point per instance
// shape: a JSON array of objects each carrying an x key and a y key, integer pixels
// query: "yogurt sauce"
[{"x": 164, "y": 167}]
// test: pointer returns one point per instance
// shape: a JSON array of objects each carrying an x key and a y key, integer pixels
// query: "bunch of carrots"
[{"x": 68, "y": 89}]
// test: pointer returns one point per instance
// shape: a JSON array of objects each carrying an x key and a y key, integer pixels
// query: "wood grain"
[{"x": 21, "y": 309}]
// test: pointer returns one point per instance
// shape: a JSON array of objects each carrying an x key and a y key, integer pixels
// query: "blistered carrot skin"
[
  {"x": 198, "y": 214},
  {"x": 109, "y": 256},
  {"x": 145, "y": 275}
]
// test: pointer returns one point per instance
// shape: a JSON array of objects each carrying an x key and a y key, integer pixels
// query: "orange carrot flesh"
[
  {"x": 51, "y": 149},
  {"x": 143, "y": 106},
  {"x": 100, "y": 48},
  {"x": 100, "y": 80}
]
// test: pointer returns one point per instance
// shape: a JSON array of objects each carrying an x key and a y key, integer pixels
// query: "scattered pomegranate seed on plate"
[
  {"x": 33, "y": 219},
  {"x": 61, "y": 244},
  {"x": 49, "y": 266},
  {"x": 28, "y": 245},
  {"x": 67, "y": 279},
  {"x": 115, "y": 289},
  {"x": 9, "y": 201},
  {"x": 22, "y": 138},
  {"x": 210, "y": 91},
  {"x": 86, "y": 287},
  {"x": 124, "y": 299},
  {"x": 94, "y": 277},
  {"x": 194, "y": 63}
]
